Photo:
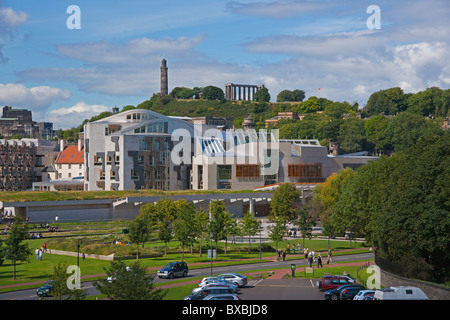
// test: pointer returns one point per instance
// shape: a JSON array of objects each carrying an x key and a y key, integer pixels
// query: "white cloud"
[
  {"x": 73, "y": 116},
  {"x": 10, "y": 19},
  {"x": 41, "y": 97}
]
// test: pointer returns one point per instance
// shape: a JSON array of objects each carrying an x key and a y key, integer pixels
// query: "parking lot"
[{"x": 281, "y": 289}]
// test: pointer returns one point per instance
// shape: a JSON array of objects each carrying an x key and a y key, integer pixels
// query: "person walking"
[
  {"x": 288, "y": 246},
  {"x": 319, "y": 261},
  {"x": 37, "y": 254},
  {"x": 279, "y": 255},
  {"x": 329, "y": 259},
  {"x": 40, "y": 255},
  {"x": 299, "y": 246},
  {"x": 284, "y": 255}
]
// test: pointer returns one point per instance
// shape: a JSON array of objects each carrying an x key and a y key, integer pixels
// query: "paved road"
[{"x": 30, "y": 294}]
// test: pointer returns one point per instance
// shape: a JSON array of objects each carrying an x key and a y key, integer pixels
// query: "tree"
[
  {"x": 15, "y": 249},
  {"x": 262, "y": 95},
  {"x": 212, "y": 93},
  {"x": 60, "y": 289},
  {"x": 217, "y": 224},
  {"x": 287, "y": 95},
  {"x": 161, "y": 215},
  {"x": 284, "y": 201},
  {"x": 201, "y": 220},
  {"x": 139, "y": 232},
  {"x": 305, "y": 223},
  {"x": 352, "y": 136},
  {"x": 277, "y": 230},
  {"x": 128, "y": 283},
  {"x": 185, "y": 228},
  {"x": 249, "y": 226}
]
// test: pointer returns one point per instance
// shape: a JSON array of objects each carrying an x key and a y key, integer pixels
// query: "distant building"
[
  {"x": 214, "y": 122},
  {"x": 22, "y": 162},
  {"x": 283, "y": 115},
  {"x": 19, "y": 122}
]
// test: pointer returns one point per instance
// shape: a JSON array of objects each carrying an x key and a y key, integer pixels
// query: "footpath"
[{"x": 276, "y": 273}]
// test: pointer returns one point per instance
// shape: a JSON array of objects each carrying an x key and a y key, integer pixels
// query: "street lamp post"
[{"x": 260, "y": 229}]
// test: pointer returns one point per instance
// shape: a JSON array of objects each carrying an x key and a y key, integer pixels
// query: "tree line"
[{"x": 400, "y": 204}]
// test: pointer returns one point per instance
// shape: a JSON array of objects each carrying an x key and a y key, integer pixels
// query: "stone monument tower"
[{"x": 164, "y": 78}]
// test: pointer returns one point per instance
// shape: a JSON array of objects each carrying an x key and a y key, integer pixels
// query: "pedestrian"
[
  {"x": 299, "y": 246},
  {"x": 319, "y": 261},
  {"x": 306, "y": 253},
  {"x": 329, "y": 257},
  {"x": 284, "y": 255},
  {"x": 295, "y": 233},
  {"x": 310, "y": 261},
  {"x": 279, "y": 255},
  {"x": 37, "y": 254},
  {"x": 288, "y": 246},
  {"x": 40, "y": 255},
  {"x": 83, "y": 256},
  {"x": 44, "y": 246}
]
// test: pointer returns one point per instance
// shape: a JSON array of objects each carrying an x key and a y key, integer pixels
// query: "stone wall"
[{"x": 433, "y": 291}]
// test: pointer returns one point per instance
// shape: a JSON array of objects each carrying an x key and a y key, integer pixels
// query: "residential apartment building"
[{"x": 23, "y": 162}]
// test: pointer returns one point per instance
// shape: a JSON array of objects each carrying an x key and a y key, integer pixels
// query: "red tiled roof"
[{"x": 71, "y": 155}]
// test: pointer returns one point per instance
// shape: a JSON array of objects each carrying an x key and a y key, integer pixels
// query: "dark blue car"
[
  {"x": 46, "y": 289},
  {"x": 336, "y": 293}
]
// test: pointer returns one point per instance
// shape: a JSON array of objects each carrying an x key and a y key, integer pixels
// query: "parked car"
[
  {"x": 222, "y": 297},
  {"x": 200, "y": 295},
  {"x": 173, "y": 269},
  {"x": 335, "y": 294},
  {"x": 216, "y": 284},
  {"x": 238, "y": 279},
  {"x": 46, "y": 289},
  {"x": 349, "y": 292},
  {"x": 332, "y": 282},
  {"x": 364, "y": 295},
  {"x": 400, "y": 293},
  {"x": 205, "y": 279}
]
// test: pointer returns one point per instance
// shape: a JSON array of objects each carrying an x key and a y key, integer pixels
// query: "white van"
[{"x": 400, "y": 293}]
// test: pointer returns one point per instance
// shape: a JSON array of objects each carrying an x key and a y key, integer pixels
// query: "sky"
[{"x": 336, "y": 49}]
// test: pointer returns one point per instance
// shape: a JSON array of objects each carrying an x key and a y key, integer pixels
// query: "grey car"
[
  {"x": 200, "y": 295},
  {"x": 173, "y": 269},
  {"x": 237, "y": 279}
]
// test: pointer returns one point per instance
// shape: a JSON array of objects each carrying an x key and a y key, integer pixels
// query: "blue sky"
[{"x": 65, "y": 76}]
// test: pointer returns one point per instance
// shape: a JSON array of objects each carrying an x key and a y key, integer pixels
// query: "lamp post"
[
  {"x": 78, "y": 258},
  {"x": 260, "y": 229}
]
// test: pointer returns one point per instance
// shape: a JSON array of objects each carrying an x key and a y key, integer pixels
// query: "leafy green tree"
[
  {"x": 201, "y": 221},
  {"x": 15, "y": 248},
  {"x": 309, "y": 106},
  {"x": 139, "y": 232},
  {"x": 277, "y": 230},
  {"x": 185, "y": 228},
  {"x": 212, "y": 93},
  {"x": 60, "y": 290},
  {"x": 285, "y": 199},
  {"x": 305, "y": 223},
  {"x": 249, "y": 226},
  {"x": 262, "y": 95},
  {"x": 352, "y": 136},
  {"x": 130, "y": 283},
  {"x": 288, "y": 95},
  {"x": 219, "y": 220},
  {"x": 162, "y": 215},
  {"x": 389, "y": 102}
]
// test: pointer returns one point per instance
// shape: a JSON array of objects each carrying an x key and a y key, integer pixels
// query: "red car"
[{"x": 332, "y": 282}]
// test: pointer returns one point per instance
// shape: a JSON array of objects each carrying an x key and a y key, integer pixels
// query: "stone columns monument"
[{"x": 164, "y": 78}]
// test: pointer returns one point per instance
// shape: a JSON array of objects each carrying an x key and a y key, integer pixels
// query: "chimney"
[{"x": 62, "y": 144}]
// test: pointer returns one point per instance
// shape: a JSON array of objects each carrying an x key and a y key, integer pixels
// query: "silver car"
[
  {"x": 237, "y": 279},
  {"x": 216, "y": 284},
  {"x": 222, "y": 297}
]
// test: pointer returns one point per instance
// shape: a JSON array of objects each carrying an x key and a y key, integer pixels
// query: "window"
[
  {"x": 305, "y": 170},
  {"x": 248, "y": 171}
]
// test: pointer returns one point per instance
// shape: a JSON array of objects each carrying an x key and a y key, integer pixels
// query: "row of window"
[{"x": 157, "y": 127}]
